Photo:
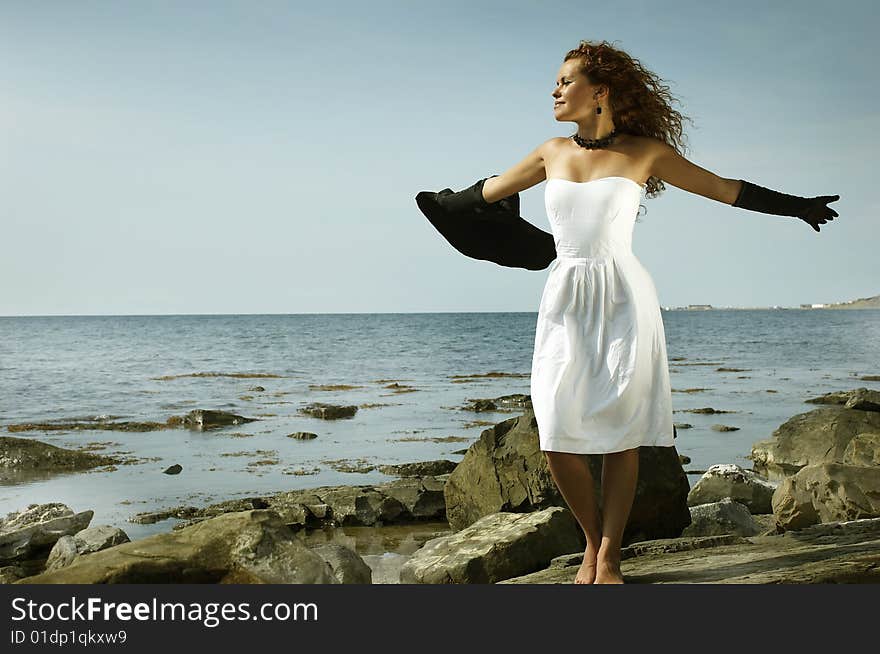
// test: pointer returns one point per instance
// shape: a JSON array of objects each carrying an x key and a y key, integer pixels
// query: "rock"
[
  {"x": 837, "y": 397},
  {"x": 203, "y": 419},
  {"x": 656, "y": 546},
  {"x": 423, "y": 497},
  {"x": 36, "y": 528},
  {"x": 329, "y": 411},
  {"x": 684, "y": 459},
  {"x": 303, "y": 435},
  {"x": 863, "y": 450},
  {"x": 152, "y": 517},
  {"x": 361, "y": 506},
  {"x": 728, "y": 480},
  {"x": 347, "y": 565},
  {"x": 348, "y": 465},
  {"x": 11, "y": 573},
  {"x": 723, "y": 517},
  {"x": 173, "y": 470},
  {"x": 864, "y": 400},
  {"x": 841, "y": 552},
  {"x": 419, "y": 468},
  {"x": 256, "y": 389},
  {"x": 818, "y": 436},
  {"x": 681, "y": 425},
  {"x": 706, "y": 409},
  {"x": 481, "y": 405},
  {"x": 410, "y": 499},
  {"x": 516, "y": 401},
  {"x": 63, "y": 553},
  {"x": 767, "y": 523},
  {"x": 93, "y": 539},
  {"x": 98, "y": 423},
  {"x": 496, "y": 547},
  {"x": 857, "y": 398},
  {"x": 24, "y": 458},
  {"x": 505, "y": 471},
  {"x": 724, "y": 428},
  {"x": 827, "y": 492},
  {"x": 246, "y": 547}
]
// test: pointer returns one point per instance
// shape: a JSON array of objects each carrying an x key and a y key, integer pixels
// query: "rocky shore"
[{"x": 808, "y": 512}]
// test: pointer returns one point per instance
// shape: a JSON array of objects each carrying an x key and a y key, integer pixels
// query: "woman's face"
[{"x": 573, "y": 95}]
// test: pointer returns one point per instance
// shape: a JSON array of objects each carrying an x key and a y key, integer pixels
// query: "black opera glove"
[
  {"x": 813, "y": 211},
  {"x": 471, "y": 199}
]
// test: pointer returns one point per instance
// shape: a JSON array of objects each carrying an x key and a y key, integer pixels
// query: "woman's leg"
[
  {"x": 620, "y": 472},
  {"x": 571, "y": 472}
]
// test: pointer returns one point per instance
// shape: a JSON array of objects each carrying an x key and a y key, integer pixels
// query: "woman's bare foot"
[
  {"x": 608, "y": 572},
  {"x": 586, "y": 574}
]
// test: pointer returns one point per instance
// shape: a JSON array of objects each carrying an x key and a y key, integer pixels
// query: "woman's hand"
[{"x": 817, "y": 212}]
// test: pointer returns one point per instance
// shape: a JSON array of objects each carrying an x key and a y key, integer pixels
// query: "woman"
[{"x": 600, "y": 378}]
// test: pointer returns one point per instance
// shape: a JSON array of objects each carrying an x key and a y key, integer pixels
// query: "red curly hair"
[{"x": 640, "y": 102}]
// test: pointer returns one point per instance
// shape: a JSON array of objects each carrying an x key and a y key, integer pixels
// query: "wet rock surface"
[
  {"x": 329, "y": 411},
  {"x": 22, "y": 459},
  {"x": 195, "y": 419}
]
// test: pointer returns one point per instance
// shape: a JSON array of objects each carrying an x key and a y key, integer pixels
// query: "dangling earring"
[{"x": 598, "y": 109}]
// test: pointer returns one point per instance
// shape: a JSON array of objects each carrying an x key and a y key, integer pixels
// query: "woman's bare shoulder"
[{"x": 551, "y": 146}]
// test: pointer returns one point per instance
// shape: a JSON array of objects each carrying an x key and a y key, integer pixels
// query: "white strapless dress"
[{"x": 600, "y": 376}]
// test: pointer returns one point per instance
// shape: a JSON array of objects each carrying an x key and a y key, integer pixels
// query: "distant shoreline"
[{"x": 860, "y": 303}]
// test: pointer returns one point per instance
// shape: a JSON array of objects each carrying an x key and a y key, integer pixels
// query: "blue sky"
[{"x": 233, "y": 157}]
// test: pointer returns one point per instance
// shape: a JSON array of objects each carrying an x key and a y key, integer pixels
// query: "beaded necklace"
[{"x": 592, "y": 144}]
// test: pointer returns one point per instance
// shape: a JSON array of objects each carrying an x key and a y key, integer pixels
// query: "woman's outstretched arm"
[
  {"x": 670, "y": 166},
  {"x": 525, "y": 174}
]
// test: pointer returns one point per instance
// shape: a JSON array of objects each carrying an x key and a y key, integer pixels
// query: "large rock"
[
  {"x": 505, "y": 470},
  {"x": 841, "y": 553},
  {"x": 495, "y": 547},
  {"x": 247, "y": 547},
  {"x": 87, "y": 541},
  {"x": 827, "y": 492},
  {"x": 719, "y": 518},
  {"x": 818, "y": 436},
  {"x": 729, "y": 480},
  {"x": 31, "y": 531}
]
